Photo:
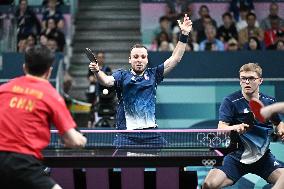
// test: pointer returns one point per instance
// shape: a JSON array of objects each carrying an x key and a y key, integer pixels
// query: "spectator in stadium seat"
[
  {"x": 253, "y": 137},
  {"x": 52, "y": 31},
  {"x": 211, "y": 43},
  {"x": 43, "y": 39},
  {"x": 279, "y": 45},
  {"x": 59, "y": 3},
  {"x": 250, "y": 30},
  {"x": 242, "y": 23},
  {"x": 52, "y": 12},
  {"x": 162, "y": 36},
  {"x": 52, "y": 44},
  {"x": 265, "y": 24},
  {"x": 200, "y": 34},
  {"x": 228, "y": 30},
  {"x": 237, "y": 5},
  {"x": 232, "y": 45},
  {"x": 31, "y": 41},
  {"x": 22, "y": 45},
  {"x": 170, "y": 14},
  {"x": 199, "y": 23},
  {"x": 166, "y": 46},
  {"x": 164, "y": 26},
  {"x": 27, "y": 22},
  {"x": 270, "y": 35},
  {"x": 254, "y": 44},
  {"x": 279, "y": 37}
]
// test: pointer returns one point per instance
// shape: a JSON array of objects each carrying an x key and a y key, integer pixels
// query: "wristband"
[{"x": 183, "y": 38}]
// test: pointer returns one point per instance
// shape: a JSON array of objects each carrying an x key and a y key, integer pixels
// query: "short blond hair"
[{"x": 251, "y": 67}]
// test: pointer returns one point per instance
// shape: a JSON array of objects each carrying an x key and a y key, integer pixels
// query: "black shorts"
[{"x": 23, "y": 171}]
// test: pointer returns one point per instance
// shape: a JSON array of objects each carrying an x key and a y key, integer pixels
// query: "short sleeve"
[
  {"x": 61, "y": 117},
  {"x": 159, "y": 73},
  {"x": 118, "y": 78},
  {"x": 226, "y": 111}
]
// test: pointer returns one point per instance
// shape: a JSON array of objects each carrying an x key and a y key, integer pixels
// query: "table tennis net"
[{"x": 175, "y": 138}]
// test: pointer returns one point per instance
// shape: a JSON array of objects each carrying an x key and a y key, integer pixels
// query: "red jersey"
[{"x": 28, "y": 106}]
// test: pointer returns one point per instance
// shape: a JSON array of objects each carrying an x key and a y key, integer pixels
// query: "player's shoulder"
[
  {"x": 153, "y": 69},
  {"x": 235, "y": 96},
  {"x": 121, "y": 71},
  {"x": 12, "y": 82},
  {"x": 267, "y": 99}
]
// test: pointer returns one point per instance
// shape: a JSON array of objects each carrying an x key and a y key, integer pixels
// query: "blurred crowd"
[
  {"x": 46, "y": 29},
  {"x": 240, "y": 28}
]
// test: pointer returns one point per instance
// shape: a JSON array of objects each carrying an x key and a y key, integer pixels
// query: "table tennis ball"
[{"x": 105, "y": 91}]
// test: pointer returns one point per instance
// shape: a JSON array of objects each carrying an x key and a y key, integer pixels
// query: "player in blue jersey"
[
  {"x": 136, "y": 88},
  {"x": 253, "y": 154}
]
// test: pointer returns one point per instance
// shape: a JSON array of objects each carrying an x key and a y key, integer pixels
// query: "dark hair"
[
  {"x": 203, "y": 7},
  {"x": 244, "y": 8},
  {"x": 251, "y": 14},
  {"x": 227, "y": 14},
  {"x": 20, "y": 1},
  {"x": 138, "y": 46},
  {"x": 258, "y": 45},
  {"x": 163, "y": 18},
  {"x": 38, "y": 60}
]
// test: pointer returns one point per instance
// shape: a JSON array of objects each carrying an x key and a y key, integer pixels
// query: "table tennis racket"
[
  {"x": 255, "y": 106},
  {"x": 249, "y": 119},
  {"x": 91, "y": 56}
]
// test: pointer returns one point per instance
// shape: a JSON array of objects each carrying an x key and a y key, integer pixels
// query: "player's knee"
[{"x": 56, "y": 186}]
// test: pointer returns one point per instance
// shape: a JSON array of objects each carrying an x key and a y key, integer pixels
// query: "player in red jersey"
[{"x": 29, "y": 104}]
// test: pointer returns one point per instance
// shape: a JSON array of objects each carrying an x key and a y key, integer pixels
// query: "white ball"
[{"x": 105, "y": 91}]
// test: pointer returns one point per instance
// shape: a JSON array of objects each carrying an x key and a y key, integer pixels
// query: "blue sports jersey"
[
  {"x": 137, "y": 97},
  {"x": 255, "y": 142}
]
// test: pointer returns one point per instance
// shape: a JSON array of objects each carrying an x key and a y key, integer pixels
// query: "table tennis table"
[
  {"x": 188, "y": 147},
  {"x": 183, "y": 147}
]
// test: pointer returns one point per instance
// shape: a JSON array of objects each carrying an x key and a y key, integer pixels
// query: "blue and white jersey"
[
  {"x": 255, "y": 142},
  {"x": 137, "y": 97}
]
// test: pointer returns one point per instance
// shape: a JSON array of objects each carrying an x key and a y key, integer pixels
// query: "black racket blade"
[
  {"x": 249, "y": 119},
  {"x": 91, "y": 56}
]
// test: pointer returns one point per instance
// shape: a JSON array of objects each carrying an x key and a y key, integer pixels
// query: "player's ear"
[
  {"x": 48, "y": 73},
  {"x": 260, "y": 81},
  {"x": 25, "y": 69},
  {"x": 129, "y": 58}
]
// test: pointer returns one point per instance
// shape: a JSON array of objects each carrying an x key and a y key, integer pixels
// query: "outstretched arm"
[
  {"x": 74, "y": 139},
  {"x": 101, "y": 76},
  {"x": 177, "y": 54},
  {"x": 240, "y": 128},
  {"x": 267, "y": 111}
]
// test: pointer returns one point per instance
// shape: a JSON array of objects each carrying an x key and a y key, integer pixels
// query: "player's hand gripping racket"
[
  {"x": 91, "y": 56},
  {"x": 255, "y": 106}
]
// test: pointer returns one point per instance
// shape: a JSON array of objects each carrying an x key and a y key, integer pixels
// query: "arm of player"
[
  {"x": 178, "y": 52},
  {"x": 267, "y": 111},
  {"x": 74, "y": 139},
  {"x": 280, "y": 130},
  {"x": 104, "y": 79},
  {"x": 240, "y": 128}
]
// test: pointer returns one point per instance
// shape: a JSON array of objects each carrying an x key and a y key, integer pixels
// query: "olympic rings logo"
[
  {"x": 214, "y": 139},
  {"x": 208, "y": 162}
]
